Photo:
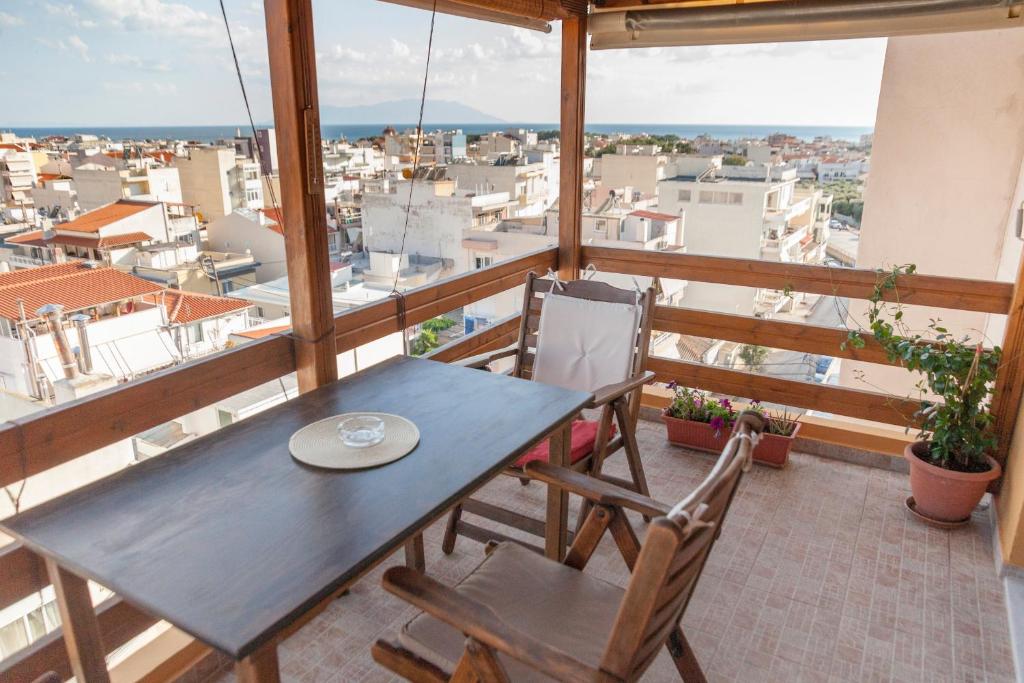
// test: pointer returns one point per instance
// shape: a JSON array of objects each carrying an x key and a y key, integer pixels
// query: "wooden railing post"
[
  {"x": 1010, "y": 376},
  {"x": 297, "y": 120},
  {"x": 570, "y": 199}
]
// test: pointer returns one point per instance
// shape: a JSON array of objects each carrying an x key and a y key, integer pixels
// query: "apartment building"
[
  {"x": 111, "y": 235},
  {"x": 753, "y": 212},
  {"x": 526, "y": 183},
  {"x": 257, "y": 233},
  {"x": 97, "y": 185},
  {"x": 440, "y": 212},
  {"x": 17, "y": 173},
  {"x": 217, "y": 181}
]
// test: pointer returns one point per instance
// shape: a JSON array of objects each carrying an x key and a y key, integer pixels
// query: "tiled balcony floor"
[{"x": 820, "y": 574}]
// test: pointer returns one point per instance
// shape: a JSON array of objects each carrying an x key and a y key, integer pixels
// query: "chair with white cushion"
[{"x": 581, "y": 335}]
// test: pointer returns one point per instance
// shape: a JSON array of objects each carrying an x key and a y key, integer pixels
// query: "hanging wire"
[
  {"x": 399, "y": 296},
  {"x": 248, "y": 110}
]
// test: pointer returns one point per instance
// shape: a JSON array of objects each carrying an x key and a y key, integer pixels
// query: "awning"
[{"x": 650, "y": 25}]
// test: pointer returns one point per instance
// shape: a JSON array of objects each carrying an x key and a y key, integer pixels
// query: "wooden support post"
[
  {"x": 259, "y": 667},
  {"x": 1010, "y": 376},
  {"x": 297, "y": 119},
  {"x": 570, "y": 200},
  {"x": 556, "y": 527},
  {"x": 79, "y": 626}
]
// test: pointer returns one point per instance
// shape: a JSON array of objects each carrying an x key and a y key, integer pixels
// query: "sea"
[{"x": 356, "y": 131}]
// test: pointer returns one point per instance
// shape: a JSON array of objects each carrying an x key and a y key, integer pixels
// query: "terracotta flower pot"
[
  {"x": 945, "y": 495},
  {"x": 697, "y": 435},
  {"x": 773, "y": 449}
]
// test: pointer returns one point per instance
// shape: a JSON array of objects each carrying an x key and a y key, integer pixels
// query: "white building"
[
  {"x": 527, "y": 184},
  {"x": 17, "y": 173},
  {"x": 259, "y": 233},
  {"x": 110, "y": 235},
  {"x": 217, "y": 182},
  {"x": 746, "y": 212},
  {"x": 97, "y": 185},
  {"x": 439, "y": 215}
]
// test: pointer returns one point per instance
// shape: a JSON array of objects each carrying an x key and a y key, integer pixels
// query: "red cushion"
[{"x": 584, "y": 435}]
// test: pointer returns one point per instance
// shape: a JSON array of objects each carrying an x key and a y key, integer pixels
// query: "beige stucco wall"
[
  {"x": 945, "y": 173},
  {"x": 946, "y": 182}
]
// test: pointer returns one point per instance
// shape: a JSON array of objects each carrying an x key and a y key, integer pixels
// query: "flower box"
[
  {"x": 696, "y": 435},
  {"x": 772, "y": 449}
]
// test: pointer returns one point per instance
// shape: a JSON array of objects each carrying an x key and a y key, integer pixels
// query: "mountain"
[{"x": 404, "y": 112}]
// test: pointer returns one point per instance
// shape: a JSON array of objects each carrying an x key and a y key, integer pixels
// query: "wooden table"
[{"x": 233, "y": 541}]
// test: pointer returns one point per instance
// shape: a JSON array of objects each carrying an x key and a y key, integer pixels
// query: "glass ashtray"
[{"x": 361, "y": 431}]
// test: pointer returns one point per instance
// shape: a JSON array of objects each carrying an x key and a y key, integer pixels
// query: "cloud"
[
  {"x": 9, "y": 20},
  {"x": 72, "y": 43},
  {"x": 68, "y": 12},
  {"x": 78, "y": 45},
  {"x": 137, "y": 62},
  {"x": 167, "y": 18}
]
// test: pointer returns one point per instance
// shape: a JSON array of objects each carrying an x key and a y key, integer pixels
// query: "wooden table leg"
[
  {"x": 260, "y": 666},
  {"x": 79, "y": 626},
  {"x": 557, "y": 525},
  {"x": 414, "y": 557}
]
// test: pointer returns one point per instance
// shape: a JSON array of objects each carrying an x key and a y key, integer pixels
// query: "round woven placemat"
[{"x": 318, "y": 444}]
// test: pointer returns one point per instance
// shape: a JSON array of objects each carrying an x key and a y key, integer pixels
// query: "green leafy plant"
[
  {"x": 753, "y": 356},
  {"x": 960, "y": 371},
  {"x": 427, "y": 340},
  {"x": 782, "y": 423}
]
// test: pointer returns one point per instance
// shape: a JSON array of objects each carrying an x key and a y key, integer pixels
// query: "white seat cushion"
[{"x": 585, "y": 345}]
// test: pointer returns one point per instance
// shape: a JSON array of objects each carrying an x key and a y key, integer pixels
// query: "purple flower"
[
  {"x": 717, "y": 422},
  {"x": 725, "y": 403},
  {"x": 672, "y": 385}
]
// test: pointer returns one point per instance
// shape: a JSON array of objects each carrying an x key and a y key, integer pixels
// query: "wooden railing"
[
  {"x": 33, "y": 444},
  {"x": 923, "y": 290}
]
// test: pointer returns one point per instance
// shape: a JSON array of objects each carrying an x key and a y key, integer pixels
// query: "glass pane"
[
  {"x": 36, "y": 625},
  {"x": 13, "y": 637}
]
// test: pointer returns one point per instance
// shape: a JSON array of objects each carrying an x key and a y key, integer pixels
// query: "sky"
[{"x": 167, "y": 62}]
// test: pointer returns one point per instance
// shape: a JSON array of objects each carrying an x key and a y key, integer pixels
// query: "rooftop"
[
  {"x": 105, "y": 215},
  {"x": 190, "y": 307},
  {"x": 37, "y": 238},
  {"x": 74, "y": 286}
]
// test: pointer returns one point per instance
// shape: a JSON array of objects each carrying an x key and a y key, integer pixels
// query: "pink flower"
[{"x": 717, "y": 422}]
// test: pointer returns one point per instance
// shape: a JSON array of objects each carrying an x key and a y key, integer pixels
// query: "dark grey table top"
[{"x": 231, "y": 540}]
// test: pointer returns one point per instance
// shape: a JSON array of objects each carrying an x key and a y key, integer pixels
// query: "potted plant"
[
  {"x": 950, "y": 463},
  {"x": 776, "y": 441},
  {"x": 696, "y": 420}
]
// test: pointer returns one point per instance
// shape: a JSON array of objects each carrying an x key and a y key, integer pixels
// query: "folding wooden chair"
[
  {"x": 592, "y": 337},
  {"x": 520, "y": 616}
]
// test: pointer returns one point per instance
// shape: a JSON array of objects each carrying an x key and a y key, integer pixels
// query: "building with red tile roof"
[
  {"x": 95, "y": 221},
  {"x": 189, "y": 307},
  {"x": 75, "y": 286}
]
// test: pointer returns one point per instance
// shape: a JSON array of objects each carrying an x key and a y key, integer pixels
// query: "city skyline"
[{"x": 164, "y": 62}]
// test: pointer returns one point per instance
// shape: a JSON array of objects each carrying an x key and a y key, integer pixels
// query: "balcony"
[
  {"x": 820, "y": 572},
  {"x": 793, "y": 590}
]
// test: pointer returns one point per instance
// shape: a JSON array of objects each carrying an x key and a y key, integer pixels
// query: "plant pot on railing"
[{"x": 772, "y": 449}]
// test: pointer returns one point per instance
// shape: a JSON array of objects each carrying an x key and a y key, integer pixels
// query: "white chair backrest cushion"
[{"x": 583, "y": 344}]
